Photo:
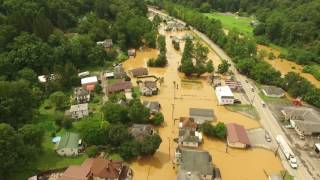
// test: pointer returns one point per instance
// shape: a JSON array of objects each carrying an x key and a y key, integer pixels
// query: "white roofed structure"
[
  {"x": 89, "y": 80},
  {"x": 224, "y": 95}
]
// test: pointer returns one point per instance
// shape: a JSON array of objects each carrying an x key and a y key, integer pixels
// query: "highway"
[{"x": 267, "y": 120}]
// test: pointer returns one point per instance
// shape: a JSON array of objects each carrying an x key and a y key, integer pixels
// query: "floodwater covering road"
[
  {"x": 197, "y": 93},
  {"x": 285, "y": 66}
]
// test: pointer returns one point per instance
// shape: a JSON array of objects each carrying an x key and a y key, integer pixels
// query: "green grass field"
[
  {"x": 229, "y": 21},
  {"x": 313, "y": 69}
]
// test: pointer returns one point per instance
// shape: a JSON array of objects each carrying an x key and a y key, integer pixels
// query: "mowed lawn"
[{"x": 230, "y": 21}]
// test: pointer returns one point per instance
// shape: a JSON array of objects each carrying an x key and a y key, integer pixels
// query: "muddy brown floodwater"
[
  {"x": 234, "y": 165},
  {"x": 285, "y": 66}
]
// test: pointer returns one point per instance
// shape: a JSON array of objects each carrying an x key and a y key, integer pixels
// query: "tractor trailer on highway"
[{"x": 287, "y": 151}]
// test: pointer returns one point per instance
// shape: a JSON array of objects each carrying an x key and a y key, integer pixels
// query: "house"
[
  {"x": 194, "y": 164},
  {"x": 119, "y": 72},
  {"x": 306, "y": 121},
  {"x": 89, "y": 82},
  {"x": 224, "y": 95},
  {"x": 78, "y": 111},
  {"x": 119, "y": 86},
  {"x": 140, "y": 131},
  {"x": 132, "y": 53},
  {"x": 82, "y": 95},
  {"x": 106, "y": 43},
  {"x": 189, "y": 138},
  {"x": 273, "y": 91},
  {"x": 201, "y": 116},
  {"x": 139, "y": 72},
  {"x": 275, "y": 176},
  {"x": 237, "y": 136},
  {"x": 317, "y": 148},
  {"x": 128, "y": 94},
  {"x": 154, "y": 106},
  {"x": 98, "y": 169},
  {"x": 69, "y": 144},
  {"x": 187, "y": 122},
  {"x": 44, "y": 78},
  {"x": 149, "y": 88}
]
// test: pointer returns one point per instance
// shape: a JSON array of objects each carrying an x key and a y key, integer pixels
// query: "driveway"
[{"x": 257, "y": 139}]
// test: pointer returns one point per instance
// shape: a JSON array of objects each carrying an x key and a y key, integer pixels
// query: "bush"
[
  {"x": 157, "y": 119},
  {"x": 218, "y": 131},
  {"x": 271, "y": 56},
  {"x": 92, "y": 151}
]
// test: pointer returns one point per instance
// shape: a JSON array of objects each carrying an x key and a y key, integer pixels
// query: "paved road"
[{"x": 267, "y": 121}]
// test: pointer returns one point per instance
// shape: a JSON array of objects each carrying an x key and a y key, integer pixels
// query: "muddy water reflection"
[
  {"x": 285, "y": 66},
  {"x": 236, "y": 164}
]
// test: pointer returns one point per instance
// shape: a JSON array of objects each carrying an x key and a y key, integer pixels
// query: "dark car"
[{"x": 237, "y": 101}]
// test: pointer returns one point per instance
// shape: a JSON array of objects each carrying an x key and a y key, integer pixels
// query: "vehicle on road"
[
  {"x": 267, "y": 136},
  {"x": 287, "y": 151}
]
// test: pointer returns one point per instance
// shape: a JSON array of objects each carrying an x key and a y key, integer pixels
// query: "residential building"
[
  {"x": 237, "y": 136},
  {"x": 44, "y": 78},
  {"x": 194, "y": 164},
  {"x": 109, "y": 75},
  {"x": 149, "y": 88},
  {"x": 98, "y": 169},
  {"x": 153, "y": 106},
  {"x": 128, "y": 94},
  {"x": 140, "y": 131},
  {"x": 224, "y": 95},
  {"x": 139, "y": 72},
  {"x": 273, "y": 91},
  {"x": 189, "y": 136},
  {"x": 119, "y": 86},
  {"x": 106, "y": 43},
  {"x": 306, "y": 121},
  {"x": 187, "y": 122},
  {"x": 119, "y": 72},
  {"x": 132, "y": 53},
  {"x": 69, "y": 144},
  {"x": 201, "y": 116},
  {"x": 78, "y": 111},
  {"x": 82, "y": 95},
  {"x": 89, "y": 83}
]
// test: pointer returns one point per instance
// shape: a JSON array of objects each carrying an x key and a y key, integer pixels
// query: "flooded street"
[
  {"x": 285, "y": 66},
  {"x": 195, "y": 93}
]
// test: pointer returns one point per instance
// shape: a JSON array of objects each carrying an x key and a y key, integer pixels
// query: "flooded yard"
[
  {"x": 175, "y": 102},
  {"x": 285, "y": 66}
]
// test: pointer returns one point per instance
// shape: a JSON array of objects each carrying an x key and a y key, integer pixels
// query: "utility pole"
[
  {"x": 253, "y": 99},
  {"x": 172, "y": 115},
  {"x": 174, "y": 90},
  {"x": 169, "y": 148},
  {"x": 276, "y": 151}
]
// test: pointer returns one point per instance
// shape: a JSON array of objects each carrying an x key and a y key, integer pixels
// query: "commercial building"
[{"x": 224, "y": 95}]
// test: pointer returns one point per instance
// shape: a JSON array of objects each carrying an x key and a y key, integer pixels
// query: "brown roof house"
[
  {"x": 78, "y": 111},
  {"x": 149, "y": 88},
  {"x": 119, "y": 86},
  {"x": 153, "y": 106},
  {"x": 82, "y": 95},
  {"x": 140, "y": 131},
  {"x": 139, "y": 72},
  {"x": 189, "y": 136},
  {"x": 237, "y": 136},
  {"x": 98, "y": 169},
  {"x": 194, "y": 164}
]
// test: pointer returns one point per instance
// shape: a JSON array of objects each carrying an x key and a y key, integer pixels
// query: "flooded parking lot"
[
  {"x": 175, "y": 102},
  {"x": 285, "y": 66}
]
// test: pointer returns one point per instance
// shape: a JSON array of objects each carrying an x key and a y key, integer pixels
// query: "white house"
[{"x": 224, "y": 95}]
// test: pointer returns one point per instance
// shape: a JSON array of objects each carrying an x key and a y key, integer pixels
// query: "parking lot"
[{"x": 258, "y": 139}]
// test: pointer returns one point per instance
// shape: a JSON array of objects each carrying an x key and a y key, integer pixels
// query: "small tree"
[
  {"x": 220, "y": 130},
  {"x": 98, "y": 89},
  {"x": 67, "y": 123},
  {"x": 59, "y": 100},
  {"x": 157, "y": 119},
  {"x": 223, "y": 67}
]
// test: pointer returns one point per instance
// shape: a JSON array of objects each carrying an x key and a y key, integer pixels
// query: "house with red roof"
[{"x": 237, "y": 136}]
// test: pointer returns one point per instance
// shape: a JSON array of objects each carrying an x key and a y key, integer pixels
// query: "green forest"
[{"x": 59, "y": 37}]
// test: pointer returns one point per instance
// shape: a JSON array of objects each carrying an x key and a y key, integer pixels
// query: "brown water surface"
[{"x": 197, "y": 93}]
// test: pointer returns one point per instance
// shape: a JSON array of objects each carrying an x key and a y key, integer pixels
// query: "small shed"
[
  {"x": 132, "y": 53},
  {"x": 154, "y": 106},
  {"x": 68, "y": 145},
  {"x": 139, "y": 72},
  {"x": 201, "y": 116}
]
